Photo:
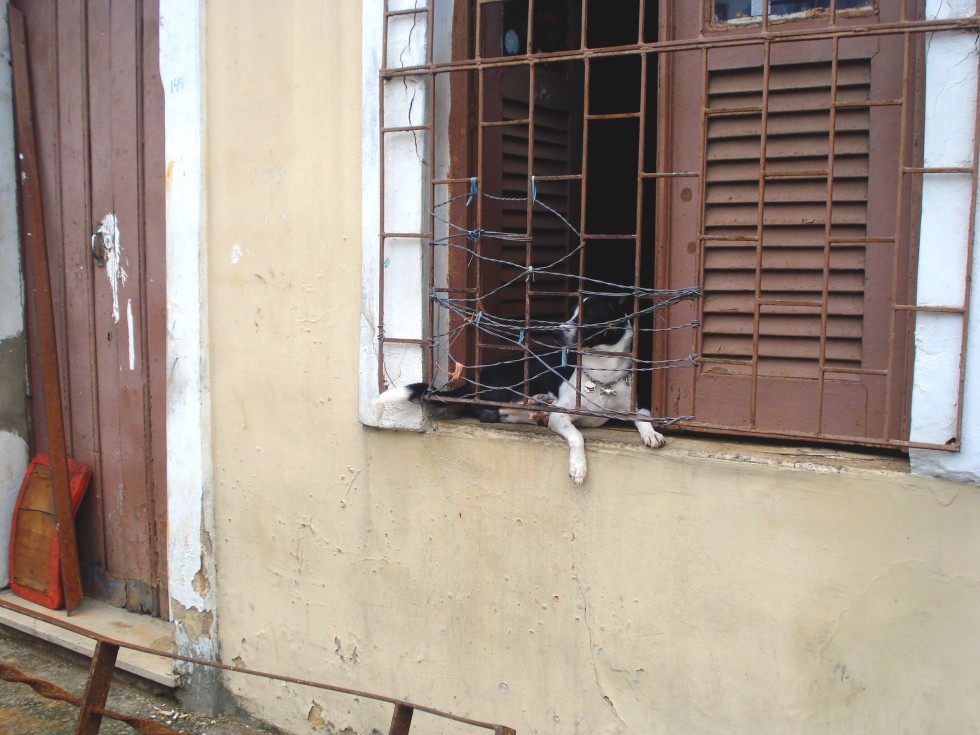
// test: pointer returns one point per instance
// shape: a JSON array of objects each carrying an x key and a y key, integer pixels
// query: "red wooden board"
[{"x": 35, "y": 560}]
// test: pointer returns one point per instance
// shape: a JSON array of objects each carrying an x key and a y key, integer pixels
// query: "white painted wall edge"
[
  {"x": 400, "y": 417},
  {"x": 190, "y": 516},
  {"x": 372, "y": 14},
  {"x": 949, "y": 141},
  {"x": 14, "y": 452},
  {"x": 962, "y": 466},
  {"x": 11, "y": 280}
]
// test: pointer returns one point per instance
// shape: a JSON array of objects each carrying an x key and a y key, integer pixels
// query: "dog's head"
[{"x": 603, "y": 325}]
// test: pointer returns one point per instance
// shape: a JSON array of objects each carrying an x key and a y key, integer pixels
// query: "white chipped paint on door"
[{"x": 114, "y": 271}]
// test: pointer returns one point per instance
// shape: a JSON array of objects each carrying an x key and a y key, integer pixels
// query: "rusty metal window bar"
[{"x": 437, "y": 62}]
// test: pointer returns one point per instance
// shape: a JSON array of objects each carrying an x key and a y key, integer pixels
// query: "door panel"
[{"x": 100, "y": 106}]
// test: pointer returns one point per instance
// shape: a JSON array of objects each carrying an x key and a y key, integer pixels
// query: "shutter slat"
[
  {"x": 842, "y": 259},
  {"x": 787, "y": 190}
]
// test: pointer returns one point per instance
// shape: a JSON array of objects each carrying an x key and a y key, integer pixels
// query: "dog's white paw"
[
  {"x": 577, "y": 470},
  {"x": 653, "y": 439}
]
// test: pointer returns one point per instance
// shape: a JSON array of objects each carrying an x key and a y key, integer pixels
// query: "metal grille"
[{"x": 783, "y": 252}]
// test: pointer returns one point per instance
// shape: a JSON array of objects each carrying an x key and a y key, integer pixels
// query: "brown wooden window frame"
[{"x": 456, "y": 274}]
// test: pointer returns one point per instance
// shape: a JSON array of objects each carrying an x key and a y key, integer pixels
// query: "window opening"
[{"x": 763, "y": 187}]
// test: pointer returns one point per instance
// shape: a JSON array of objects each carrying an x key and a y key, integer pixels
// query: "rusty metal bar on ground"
[
  {"x": 35, "y": 245},
  {"x": 403, "y": 709},
  {"x": 48, "y": 690},
  {"x": 97, "y": 688}
]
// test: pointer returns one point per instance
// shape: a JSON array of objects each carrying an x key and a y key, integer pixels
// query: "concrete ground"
[{"x": 25, "y": 712}]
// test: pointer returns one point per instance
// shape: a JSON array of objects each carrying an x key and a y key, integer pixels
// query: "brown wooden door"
[
  {"x": 792, "y": 228},
  {"x": 99, "y": 103}
]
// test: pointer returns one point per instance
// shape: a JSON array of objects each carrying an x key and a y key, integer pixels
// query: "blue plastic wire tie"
[
  {"x": 473, "y": 190},
  {"x": 534, "y": 190},
  {"x": 479, "y": 316},
  {"x": 520, "y": 338},
  {"x": 564, "y": 356}
]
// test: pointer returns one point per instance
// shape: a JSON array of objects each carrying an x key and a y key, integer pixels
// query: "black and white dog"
[{"x": 600, "y": 383}]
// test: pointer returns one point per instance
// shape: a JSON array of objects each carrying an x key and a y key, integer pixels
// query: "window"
[
  {"x": 779, "y": 175},
  {"x": 736, "y": 10}
]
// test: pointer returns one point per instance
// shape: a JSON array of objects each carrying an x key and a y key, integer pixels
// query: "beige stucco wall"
[{"x": 680, "y": 591}]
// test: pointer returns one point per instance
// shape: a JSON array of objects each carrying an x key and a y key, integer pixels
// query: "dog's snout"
[{"x": 567, "y": 332}]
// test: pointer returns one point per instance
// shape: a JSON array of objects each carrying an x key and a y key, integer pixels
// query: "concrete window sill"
[{"x": 623, "y": 438}]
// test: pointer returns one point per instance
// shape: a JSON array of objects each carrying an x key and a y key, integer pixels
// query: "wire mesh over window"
[{"x": 753, "y": 188}]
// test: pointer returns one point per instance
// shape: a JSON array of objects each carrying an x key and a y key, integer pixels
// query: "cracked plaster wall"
[
  {"x": 683, "y": 591},
  {"x": 675, "y": 593}
]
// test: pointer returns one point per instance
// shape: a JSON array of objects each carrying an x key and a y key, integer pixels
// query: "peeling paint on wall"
[
  {"x": 200, "y": 583},
  {"x": 195, "y": 622},
  {"x": 190, "y": 561},
  {"x": 315, "y": 716}
]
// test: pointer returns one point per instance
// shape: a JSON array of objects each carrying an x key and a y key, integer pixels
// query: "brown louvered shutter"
[
  {"x": 794, "y": 218},
  {"x": 791, "y": 230},
  {"x": 507, "y": 153}
]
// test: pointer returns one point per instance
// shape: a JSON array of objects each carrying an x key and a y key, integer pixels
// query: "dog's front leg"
[
  {"x": 561, "y": 423},
  {"x": 651, "y": 437}
]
